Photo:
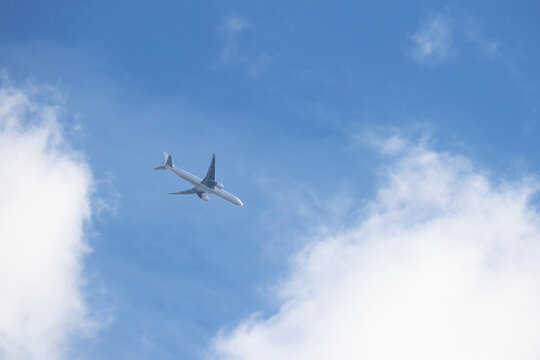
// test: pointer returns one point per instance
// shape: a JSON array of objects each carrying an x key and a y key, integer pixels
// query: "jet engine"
[
  {"x": 219, "y": 186},
  {"x": 204, "y": 197}
]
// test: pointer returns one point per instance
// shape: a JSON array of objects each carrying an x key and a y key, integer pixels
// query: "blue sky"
[{"x": 288, "y": 96}]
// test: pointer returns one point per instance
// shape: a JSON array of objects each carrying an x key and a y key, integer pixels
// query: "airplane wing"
[
  {"x": 190, "y": 191},
  {"x": 210, "y": 178}
]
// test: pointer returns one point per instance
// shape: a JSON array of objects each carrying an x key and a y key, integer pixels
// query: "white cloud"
[
  {"x": 232, "y": 23},
  {"x": 44, "y": 206},
  {"x": 433, "y": 42},
  {"x": 444, "y": 265},
  {"x": 440, "y": 37},
  {"x": 473, "y": 34},
  {"x": 231, "y": 28}
]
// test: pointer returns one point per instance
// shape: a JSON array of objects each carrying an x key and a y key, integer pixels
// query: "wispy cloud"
[
  {"x": 45, "y": 203},
  {"x": 434, "y": 42},
  {"x": 443, "y": 264},
  {"x": 439, "y": 37},
  {"x": 231, "y": 29},
  {"x": 474, "y": 34}
]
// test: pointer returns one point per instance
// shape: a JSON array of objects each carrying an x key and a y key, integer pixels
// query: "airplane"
[{"x": 208, "y": 185}]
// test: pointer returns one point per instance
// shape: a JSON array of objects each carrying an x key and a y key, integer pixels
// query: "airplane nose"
[{"x": 240, "y": 203}]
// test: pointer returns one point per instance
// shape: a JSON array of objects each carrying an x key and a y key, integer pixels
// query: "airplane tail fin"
[
  {"x": 168, "y": 162},
  {"x": 168, "y": 159}
]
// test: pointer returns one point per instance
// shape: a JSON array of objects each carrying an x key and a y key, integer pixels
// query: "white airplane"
[{"x": 208, "y": 185}]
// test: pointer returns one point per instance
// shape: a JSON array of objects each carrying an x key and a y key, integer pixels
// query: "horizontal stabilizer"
[{"x": 168, "y": 162}]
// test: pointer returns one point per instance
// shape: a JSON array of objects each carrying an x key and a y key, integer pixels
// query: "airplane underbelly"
[
  {"x": 184, "y": 175},
  {"x": 227, "y": 196}
]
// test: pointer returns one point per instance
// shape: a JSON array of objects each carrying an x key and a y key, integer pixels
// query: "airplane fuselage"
[{"x": 197, "y": 183}]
